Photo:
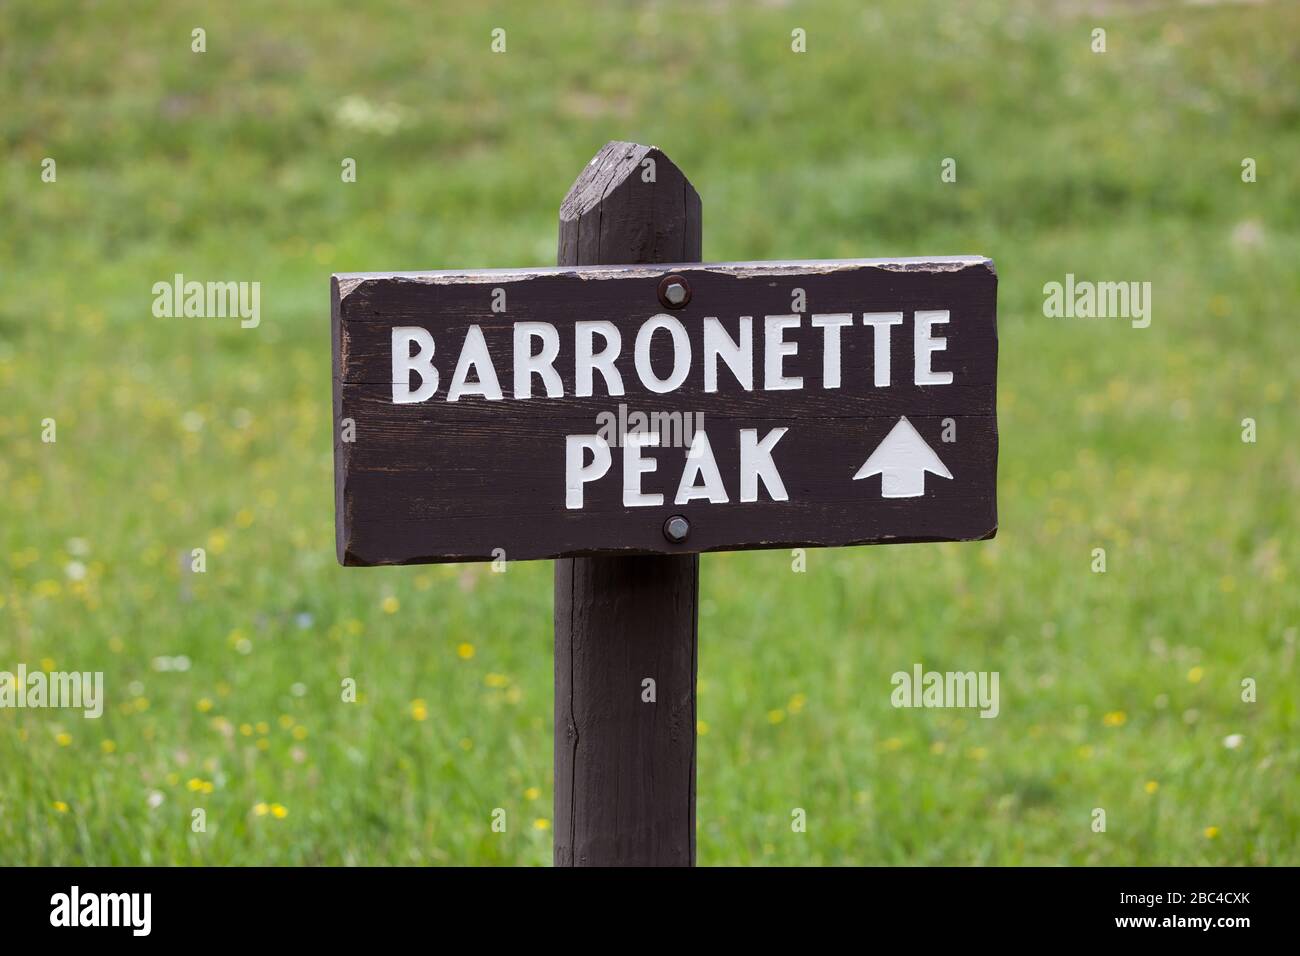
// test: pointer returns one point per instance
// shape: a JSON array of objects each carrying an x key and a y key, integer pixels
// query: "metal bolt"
[
  {"x": 676, "y": 529},
  {"x": 674, "y": 291}
]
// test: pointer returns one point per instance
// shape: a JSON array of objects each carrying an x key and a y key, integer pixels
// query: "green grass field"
[{"x": 1120, "y": 690}]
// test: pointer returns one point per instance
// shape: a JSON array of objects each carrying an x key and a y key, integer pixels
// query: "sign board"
[{"x": 661, "y": 409}]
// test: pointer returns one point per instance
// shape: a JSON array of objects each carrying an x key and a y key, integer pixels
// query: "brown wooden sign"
[{"x": 663, "y": 409}]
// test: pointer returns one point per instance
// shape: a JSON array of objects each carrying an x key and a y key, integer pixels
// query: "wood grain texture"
[
  {"x": 624, "y": 767},
  {"x": 454, "y": 481}
]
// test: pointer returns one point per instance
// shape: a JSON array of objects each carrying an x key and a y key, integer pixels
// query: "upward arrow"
[{"x": 902, "y": 460}]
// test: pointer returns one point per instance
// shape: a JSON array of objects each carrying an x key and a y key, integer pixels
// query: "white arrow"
[{"x": 902, "y": 460}]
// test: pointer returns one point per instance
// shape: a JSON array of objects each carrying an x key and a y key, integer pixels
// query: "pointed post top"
[{"x": 630, "y": 204}]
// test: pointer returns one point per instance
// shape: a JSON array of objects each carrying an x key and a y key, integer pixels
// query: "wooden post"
[{"x": 624, "y": 767}]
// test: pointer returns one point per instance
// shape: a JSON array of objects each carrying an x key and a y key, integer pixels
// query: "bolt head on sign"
[
  {"x": 674, "y": 292},
  {"x": 676, "y": 528},
  {"x": 607, "y": 402}
]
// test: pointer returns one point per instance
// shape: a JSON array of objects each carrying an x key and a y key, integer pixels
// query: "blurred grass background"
[{"x": 1119, "y": 691}]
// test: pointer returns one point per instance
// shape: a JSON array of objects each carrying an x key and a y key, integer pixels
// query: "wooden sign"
[{"x": 663, "y": 409}]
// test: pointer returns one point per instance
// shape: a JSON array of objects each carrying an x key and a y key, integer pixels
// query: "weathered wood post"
[
  {"x": 824, "y": 440},
  {"x": 625, "y": 767}
]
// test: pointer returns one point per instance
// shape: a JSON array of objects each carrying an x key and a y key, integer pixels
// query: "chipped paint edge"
[{"x": 348, "y": 282}]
